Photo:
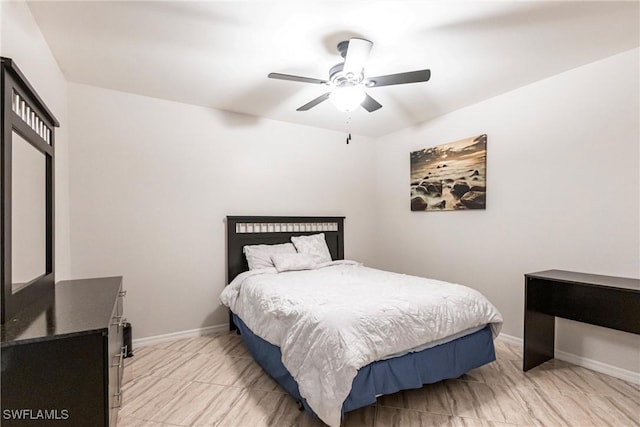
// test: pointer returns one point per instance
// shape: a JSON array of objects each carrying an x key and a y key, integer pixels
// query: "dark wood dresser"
[{"x": 62, "y": 358}]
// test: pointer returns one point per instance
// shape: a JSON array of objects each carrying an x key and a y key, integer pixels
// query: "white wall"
[
  {"x": 22, "y": 41},
  {"x": 563, "y": 193},
  {"x": 152, "y": 180}
]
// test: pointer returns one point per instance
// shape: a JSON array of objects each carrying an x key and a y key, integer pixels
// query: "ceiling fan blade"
[
  {"x": 296, "y": 78},
  {"x": 356, "y": 57},
  {"x": 399, "y": 79},
  {"x": 370, "y": 104},
  {"x": 318, "y": 100}
]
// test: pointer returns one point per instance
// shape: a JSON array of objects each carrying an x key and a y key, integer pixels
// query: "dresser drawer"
[{"x": 115, "y": 362}]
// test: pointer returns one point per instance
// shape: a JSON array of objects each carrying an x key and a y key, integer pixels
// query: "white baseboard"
[
  {"x": 614, "y": 371},
  {"x": 594, "y": 365},
  {"x": 509, "y": 339},
  {"x": 191, "y": 333}
]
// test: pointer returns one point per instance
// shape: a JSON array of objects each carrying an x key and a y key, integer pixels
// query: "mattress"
[{"x": 435, "y": 342}]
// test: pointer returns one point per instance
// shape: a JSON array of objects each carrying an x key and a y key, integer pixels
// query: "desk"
[{"x": 612, "y": 302}]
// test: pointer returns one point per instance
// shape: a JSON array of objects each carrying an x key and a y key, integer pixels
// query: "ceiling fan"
[{"x": 347, "y": 79}]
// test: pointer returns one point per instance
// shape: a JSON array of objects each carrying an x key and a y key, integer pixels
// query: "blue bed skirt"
[{"x": 411, "y": 370}]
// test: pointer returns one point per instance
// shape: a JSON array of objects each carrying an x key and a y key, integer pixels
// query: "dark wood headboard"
[{"x": 270, "y": 230}]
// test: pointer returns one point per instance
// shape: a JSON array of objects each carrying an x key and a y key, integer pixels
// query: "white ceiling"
[{"x": 218, "y": 54}]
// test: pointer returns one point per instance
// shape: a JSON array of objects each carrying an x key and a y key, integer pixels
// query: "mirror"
[
  {"x": 28, "y": 213},
  {"x": 27, "y": 220}
]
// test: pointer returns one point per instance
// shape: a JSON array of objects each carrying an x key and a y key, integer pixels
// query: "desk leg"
[{"x": 539, "y": 334}]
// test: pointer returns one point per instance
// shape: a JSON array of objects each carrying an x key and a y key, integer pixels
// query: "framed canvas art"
[{"x": 450, "y": 177}]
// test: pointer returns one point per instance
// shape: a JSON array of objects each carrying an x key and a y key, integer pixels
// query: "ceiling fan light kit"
[
  {"x": 347, "y": 98},
  {"x": 347, "y": 80}
]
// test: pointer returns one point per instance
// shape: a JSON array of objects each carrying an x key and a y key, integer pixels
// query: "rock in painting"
[
  {"x": 474, "y": 199},
  {"x": 433, "y": 188},
  {"x": 440, "y": 205},
  {"x": 478, "y": 188},
  {"x": 418, "y": 204},
  {"x": 421, "y": 189},
  {"x": 459, "y": 188},
  {"x": 475, "y": 173}
]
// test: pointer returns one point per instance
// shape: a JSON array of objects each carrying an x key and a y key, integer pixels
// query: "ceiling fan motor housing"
[
  {"x": 342, "y": 48},
  {"x": 339, "y": 79}
]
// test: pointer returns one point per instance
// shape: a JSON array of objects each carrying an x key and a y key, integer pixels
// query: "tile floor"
[{"x": 212, "y": 381}]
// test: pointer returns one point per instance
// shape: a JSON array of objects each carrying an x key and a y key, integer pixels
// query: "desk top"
[{"x": 588, "y": 279}]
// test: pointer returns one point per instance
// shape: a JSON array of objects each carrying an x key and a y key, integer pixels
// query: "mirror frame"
[{"x": 37, "y": 130}]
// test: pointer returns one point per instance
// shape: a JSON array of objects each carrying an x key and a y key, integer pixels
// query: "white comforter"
[{"x": 334, "y": 320}]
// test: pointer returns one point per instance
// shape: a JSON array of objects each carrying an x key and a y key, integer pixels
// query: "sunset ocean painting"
[{"x": 450, "y": 176}]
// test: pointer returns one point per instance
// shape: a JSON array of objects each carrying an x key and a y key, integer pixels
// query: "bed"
[{"x": 331, "y": 348}]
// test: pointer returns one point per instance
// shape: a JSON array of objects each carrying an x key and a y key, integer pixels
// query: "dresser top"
[
  {"x": 587, "y": 279},
  {"x": 76, "y": 307}
]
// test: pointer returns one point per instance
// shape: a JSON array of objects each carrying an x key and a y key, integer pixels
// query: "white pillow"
[
  {"x": 293, "y": 262},
  {"x": 259, "y": 256},
  {"x": 314, "y": 245}
]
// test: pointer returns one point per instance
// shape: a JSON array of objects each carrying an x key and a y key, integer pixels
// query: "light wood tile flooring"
[{"x": 212, "y": 381}]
